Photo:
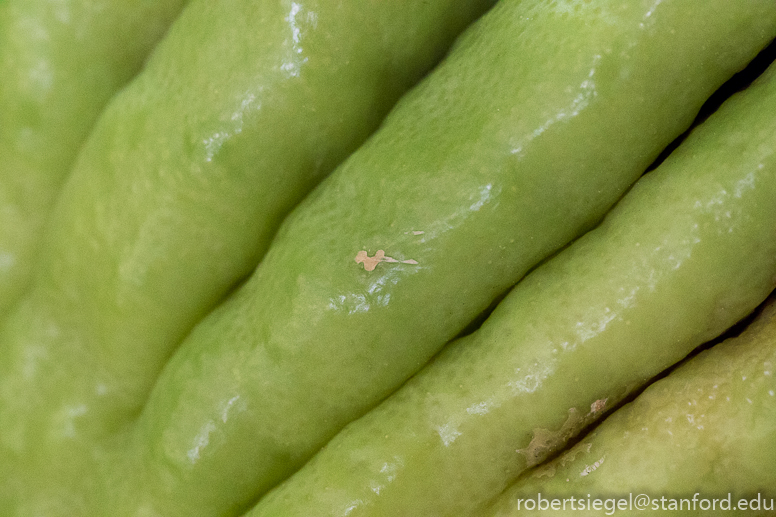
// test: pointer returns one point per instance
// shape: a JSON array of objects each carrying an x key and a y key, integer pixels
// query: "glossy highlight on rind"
[
  {"x": 708, "y": 431},
  {"x": 523, "y": 138},
  {"x": 174, "y": 198},
  {"x": 688, "y": 252}
]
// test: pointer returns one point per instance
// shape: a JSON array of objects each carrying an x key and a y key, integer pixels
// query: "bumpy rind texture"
[
  {"x": 538, "y": 120},
  {"x": 706, "y": 432},
  {"x": 60, "y": 63},
  {"x": 689, "y": 251},
  {"x": 243, "y": 108}
]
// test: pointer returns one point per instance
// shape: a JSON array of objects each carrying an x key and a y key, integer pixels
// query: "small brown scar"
[
  {"x": 546, "y": 441},
  {"x": 598, "y": 406},
  {"x": 370, "y": 263}
]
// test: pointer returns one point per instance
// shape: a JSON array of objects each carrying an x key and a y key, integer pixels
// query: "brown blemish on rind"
[
  {"x": 370, "y": 263},
  {"x": 547, "y": 471},
  {"x": 545, "y": 441},
  {"x": 597, "y": 406}
]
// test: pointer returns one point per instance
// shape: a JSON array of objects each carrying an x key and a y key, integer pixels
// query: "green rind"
[
  {"x": 707, "y": 431},
  {"x": 535, "y": 124},
  {"x": 60, "y": 63},
  {"x": 244, "y": 106},
  {"x": 688, "y": 252}
]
